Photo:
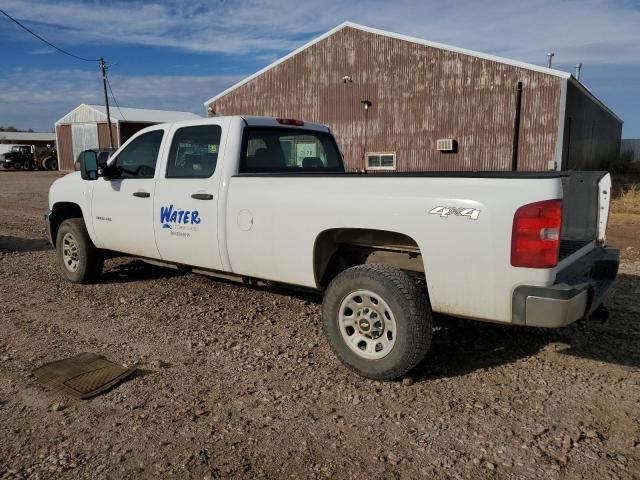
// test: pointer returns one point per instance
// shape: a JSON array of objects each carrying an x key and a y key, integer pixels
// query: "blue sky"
[{"x": 175, "y": 55}]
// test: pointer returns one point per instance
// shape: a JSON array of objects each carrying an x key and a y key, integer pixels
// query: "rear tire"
[
  {"x": 50, "y": 163},
  {"x": 377, "y": 321},
  {"x": 27, "y": 165},
  {"x": 79, "y": 259}
]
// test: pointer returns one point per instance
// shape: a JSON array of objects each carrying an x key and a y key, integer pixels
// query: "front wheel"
[
  {"x": 79, "y": 259},
  {"x": 377, "y": 321},
  {"x": 17, "y": 165}
]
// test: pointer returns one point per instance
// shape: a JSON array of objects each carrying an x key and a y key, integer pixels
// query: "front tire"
[
  {"x": 17, "y": 165},
  {"x": 377, "y": 321},
  {"x": 79, "y": 259}
]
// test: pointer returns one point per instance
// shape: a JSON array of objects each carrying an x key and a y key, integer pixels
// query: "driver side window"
[{"x": 138, "y": 159}]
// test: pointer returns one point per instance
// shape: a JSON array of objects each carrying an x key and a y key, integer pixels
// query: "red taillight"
[
  {"x": 290, "y": 121},
  {"x": 536, "y": 235}
]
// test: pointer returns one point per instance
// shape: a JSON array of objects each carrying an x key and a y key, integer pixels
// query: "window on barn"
[{"x": 381, "y": 161}]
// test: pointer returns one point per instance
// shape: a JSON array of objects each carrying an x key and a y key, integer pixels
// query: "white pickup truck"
[{"x": 262, "y": 199}]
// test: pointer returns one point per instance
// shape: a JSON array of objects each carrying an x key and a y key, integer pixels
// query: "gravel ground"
[{"x": 238, "y": 382}]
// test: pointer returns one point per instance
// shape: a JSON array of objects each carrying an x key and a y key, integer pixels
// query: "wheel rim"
[
  {"x": 367, "y": 324},
  {"x": 70, "y": 253}
]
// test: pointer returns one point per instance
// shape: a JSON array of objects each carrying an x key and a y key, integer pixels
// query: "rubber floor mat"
[{"x": 84, "y": 376}]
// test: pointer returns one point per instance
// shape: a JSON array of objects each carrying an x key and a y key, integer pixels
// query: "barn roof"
[
  {"x": 84, "y": 113},
  {"x": 28, "y": 136},
  {"x": 486, "y": 56}
]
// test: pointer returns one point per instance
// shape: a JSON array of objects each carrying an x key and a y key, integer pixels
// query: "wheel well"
[
  {"x": 63, "y": 211},
  {"x": 341, "y": 248}
]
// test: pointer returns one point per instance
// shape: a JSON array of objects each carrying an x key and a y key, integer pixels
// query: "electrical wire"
[
  {"x": 46, "y": 41},
  {"x": 114, "y": 97}
]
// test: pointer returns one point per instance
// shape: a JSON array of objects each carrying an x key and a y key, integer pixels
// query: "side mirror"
[{"x": 89, "y": 165}]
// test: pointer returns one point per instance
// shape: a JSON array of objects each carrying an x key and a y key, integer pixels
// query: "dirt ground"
[{"x": 238, "y": 382}]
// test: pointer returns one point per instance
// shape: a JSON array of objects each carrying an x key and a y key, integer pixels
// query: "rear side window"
[
  {"x": 274, "y": 149},
  {"x": 194, "y": 152}
]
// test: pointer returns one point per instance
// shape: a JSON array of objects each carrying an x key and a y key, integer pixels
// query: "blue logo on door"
[{"x": 174, "y": 216}]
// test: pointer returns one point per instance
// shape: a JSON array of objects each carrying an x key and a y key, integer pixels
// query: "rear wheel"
[
  {"x": 27, "y": 165},
  {"x": 50, "y": 163},
  {"x": 377, "y": 321},
  {"x": 78, "y": 257}
]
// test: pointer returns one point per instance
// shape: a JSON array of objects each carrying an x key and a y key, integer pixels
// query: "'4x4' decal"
[{"x": 444, "y": 212}]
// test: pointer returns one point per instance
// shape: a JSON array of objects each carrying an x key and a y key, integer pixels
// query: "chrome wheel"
[
  {"x": 70, "y": 253},
  {"x": 367, "y": 324}
]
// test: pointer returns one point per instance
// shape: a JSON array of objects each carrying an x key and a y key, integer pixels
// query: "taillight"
[
  {"x": 290, "y": 121},
  {"x": 535, "y": 239}
]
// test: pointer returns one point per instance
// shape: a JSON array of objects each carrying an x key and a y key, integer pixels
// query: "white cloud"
[
  {"x": 37, "y": 98},
  {"x": 591, "y": 31},
  {"x": 601, "y": 34}
]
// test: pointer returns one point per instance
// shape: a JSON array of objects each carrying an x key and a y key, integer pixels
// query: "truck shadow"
[
  {"x": 460, "y": 347},
  {"x": 10, "y": 243},
  {"x": 136, "y": 271}
]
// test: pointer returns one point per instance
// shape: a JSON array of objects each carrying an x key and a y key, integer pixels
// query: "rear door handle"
[
  {"x": 142, "y": 194},
  {"x": 202, "y": 196}
]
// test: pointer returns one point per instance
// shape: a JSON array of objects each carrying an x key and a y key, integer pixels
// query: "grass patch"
[{"x": 625, "y": 207}]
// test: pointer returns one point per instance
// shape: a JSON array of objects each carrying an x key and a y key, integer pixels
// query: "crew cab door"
[
  {"x": 122, "y": 206},
  {"x": 187, "y": 194}
]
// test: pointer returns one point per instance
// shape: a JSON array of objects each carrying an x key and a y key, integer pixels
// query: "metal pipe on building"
[
  {"x": 578, "y": 69},
  {"x": 516, "y": 128},
  {"x": 549, "y": 57}
]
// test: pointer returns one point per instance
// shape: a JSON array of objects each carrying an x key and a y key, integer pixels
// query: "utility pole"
[{"x": 103, "y": 70}]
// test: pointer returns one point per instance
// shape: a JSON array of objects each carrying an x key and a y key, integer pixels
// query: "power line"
[
  {"x": 114, "y": 98},
  {"x": 46, "y": 41}
]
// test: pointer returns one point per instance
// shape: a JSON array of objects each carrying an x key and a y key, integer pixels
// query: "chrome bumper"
[{"x": 579, "y": 290}]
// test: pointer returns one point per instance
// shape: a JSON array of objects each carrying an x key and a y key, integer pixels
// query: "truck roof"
[{"x": 258, "y": 121}]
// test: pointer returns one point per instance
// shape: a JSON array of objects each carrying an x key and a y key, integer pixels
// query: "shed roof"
[
  {"x": 28, "y": 136},
  {"x": 442, "y": 46},
  {"x": 85, "y": 113}
]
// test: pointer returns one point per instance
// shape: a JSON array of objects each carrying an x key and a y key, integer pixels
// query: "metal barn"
[
  {"x": 406, "y": 104},
  {"x": 86, "y": 127},
  {"x": 37, "y": 139}
]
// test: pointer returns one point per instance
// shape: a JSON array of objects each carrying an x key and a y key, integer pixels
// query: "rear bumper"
[{"x": 578, "y": 291}]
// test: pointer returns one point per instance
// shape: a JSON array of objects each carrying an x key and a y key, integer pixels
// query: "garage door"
[{"x": 85, "y": 136}]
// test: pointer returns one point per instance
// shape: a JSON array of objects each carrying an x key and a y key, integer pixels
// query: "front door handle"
[
  {"x": 202, "y": 196},
  {"x": 142, "y": 194}
]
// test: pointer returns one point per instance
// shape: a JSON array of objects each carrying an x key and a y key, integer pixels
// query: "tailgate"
[{"x": 585, "y": 210}]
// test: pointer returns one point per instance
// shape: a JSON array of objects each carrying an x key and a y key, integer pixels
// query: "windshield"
[{"x": 15, "y": 149}]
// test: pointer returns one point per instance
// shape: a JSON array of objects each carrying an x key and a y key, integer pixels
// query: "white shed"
[{"x": 86, "y": 127}]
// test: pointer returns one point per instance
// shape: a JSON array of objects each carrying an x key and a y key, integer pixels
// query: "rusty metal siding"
[
  {"x": 103, "y": 135},
  {"x": 419, "y": 93},
  {"x": 64, "y": 144},
  {"x": 592, "y": 139}
]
